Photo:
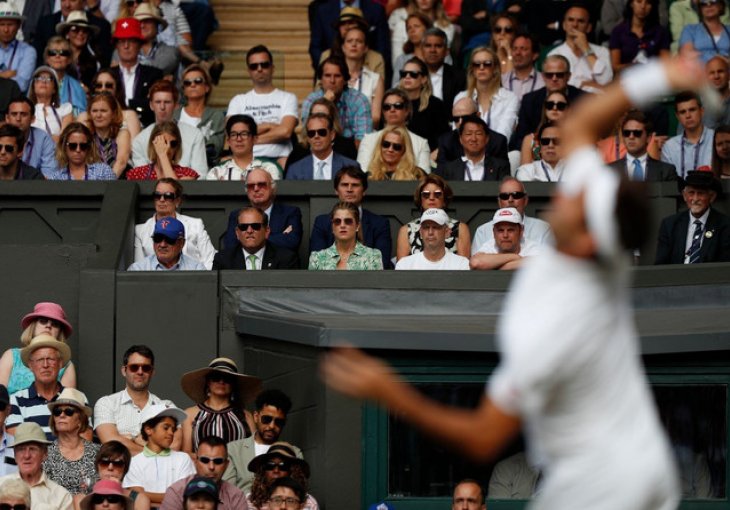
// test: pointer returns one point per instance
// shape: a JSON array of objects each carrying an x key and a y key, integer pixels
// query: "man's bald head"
[{"x": 464, "y": 106}]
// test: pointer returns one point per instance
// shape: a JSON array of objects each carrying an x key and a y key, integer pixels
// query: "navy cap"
[
  {"x": 201, "y": 484},
  {"x": 170, "y": 227}
]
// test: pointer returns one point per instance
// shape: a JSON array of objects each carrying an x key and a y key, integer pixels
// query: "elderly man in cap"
[
  {"x": 168, "y": 240},
  {"x": 17, "y": 58},
  {"x": 31, "y": 449},
  {"x": 700, "y": 234},
  {"x": 435, "y": 256},
  {"x": 508, "y": 247},
  {"x": 45, "y": 356},
  {"x": 7, "y": 453}
]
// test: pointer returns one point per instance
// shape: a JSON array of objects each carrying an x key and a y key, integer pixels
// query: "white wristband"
[{"x": 644, "y": 84}]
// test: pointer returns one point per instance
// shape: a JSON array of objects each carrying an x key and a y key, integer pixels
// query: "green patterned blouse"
[{"x": 362, "y": 259}]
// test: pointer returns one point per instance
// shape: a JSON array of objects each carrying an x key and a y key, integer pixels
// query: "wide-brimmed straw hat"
[
  {"x": 107, "y": 488},
  {"x": 76, "y": 19},
  {"x": 8, "y": 10},
  {"x": 280, "y": 449},
  {"x": 146, "y": 10},
  {"x": 71, "y": 397},
  {"x": 49, "y": 311},
  {"x": 246, "y": 386},
  {"x": 45, "y": 341},
  {"x": 30, "y": 432}
]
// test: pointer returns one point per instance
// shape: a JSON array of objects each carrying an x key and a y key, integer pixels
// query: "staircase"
[{"x": 281, "y": 25}]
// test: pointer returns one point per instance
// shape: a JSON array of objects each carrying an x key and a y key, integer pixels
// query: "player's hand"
[
  {"x": 685, "y": 71},
  {"x": 354, "y": 373}
]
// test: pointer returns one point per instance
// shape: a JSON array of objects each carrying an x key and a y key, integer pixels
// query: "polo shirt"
[
  {"x": 155, "y": 472},
  {"x": 119, "y": 409},
  {"x": 28, "y": 406}
]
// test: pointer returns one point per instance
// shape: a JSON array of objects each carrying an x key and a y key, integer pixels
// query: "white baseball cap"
[
  {"x": 507, "y": 214},
  {"x": 436, "y": 215}
]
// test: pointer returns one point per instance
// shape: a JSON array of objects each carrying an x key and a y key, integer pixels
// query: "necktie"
[
  {"x": 319, "y": 173},
  {"x": 252, "y": 261},
  {"x": 638, "y": 174},
  {"x": 694, "y": 249}
]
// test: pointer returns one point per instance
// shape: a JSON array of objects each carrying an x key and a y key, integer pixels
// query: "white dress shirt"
[
  {"x": 630, "y": 166},
  {"x": 326, "y": 169},
  {"x": 437, "y": 83},
  {"x": 259, "y": 258},
  {"x": 473, "y": 171}
]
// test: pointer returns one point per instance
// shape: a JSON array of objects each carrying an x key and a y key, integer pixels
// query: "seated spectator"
[
  {"x": 590, "y": 64},
  {"x": 168, "y": 240},
  {"x": 197, "y": 87},
  {"x": 31, "y": 447},
  {"x": 683, "y": 13},
  {"x": 432, "y": 193},
  {"x": 720, "y": 153},
  {"x": 497, "y": 106},
  {"x": 202, "y": 492},
  {"x": 18, "y": 62},
  {"x": 513, "y": 478},
  {"x": 475, "y": 165},
  {"x": 163, "y": 99},
  {"x": 347, "y": 252},
  {"x": 220, "y": 393},
  {"x": 167, "y": 199},
  {"x": 468, "y": 493},
  {"x": 474, "y": 21},
  {"x": 85, "y": 52},
  {"x": 416, "y": 25},
  {"x": 701, "y": 234},
  {"x": 548, "y": 167},
  {"x": 50, "y": 114},
  {"x": 394, "y": 160},
  {"x": 287, "y": 493},
  {"x": 504, "y": 27},
  {"x": 39, "y": 150},
  {"x": 350, "y": 185},
  {"x": 691, "y": 150},
  {"x": 8, "y": 465},
  {"x": 434, "y": 9},
  {"x": 429, "y": 116},
  {"x": 638, "y": 165},
  {"x": 352, "y": 105},
  {"x": 112, "y": 140},
  {"x": 718, "y": 74},
  {"x": 553, "y": 110},
  {"x": 254, "y": 252},
  {"x": 107, "y": 80},
  {"x": 323, "y": 162},
  {"x": 434, "y": 229},
  {"x": 71, "y": 458},
  {"x": 512, "y": 194},
  {"x": 58, "y": 56},
  {"x": 9, "y": 91},
  {"x": 279, "y": 462},
  {"x": 710, "y": 36},
  {"x": 351, "y": 17},
  {"x": 12, "y": 167},
  {"x": 241, "y": 135},
  {"x": 15, "y": 493},
  {"x": 273, "y": 109},
  {"x": 154, "y": 52},
  {"x": 639, "y": 36},
  {"x": 612, "y": 14},
  {"x": 396, "y": 112},
  {"x": 164, "y": 150},
  {"x": 509, "y": 247},
  {"x": 107, "y": 495},
  {"x": 112, "y": 463},
  {"x": 524, "y": 77},
  {"x": 285, "y": 221},
  {"x": 78, "y": 158},
  {"x": 446, "y": 80},
  {"x": 158, "y": 467},
  {"x": 353, "y": 51},
  {"x": 46, "y": 318}
]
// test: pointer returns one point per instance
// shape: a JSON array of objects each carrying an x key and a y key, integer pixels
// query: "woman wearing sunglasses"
[
  {"x": 553, "y": 110},
  {"x": 70, "y": 460},
  {"x": 710, "y": 36},
  {"x": 429, "y": 116},
  {"x": 164, "y": 150},
  {"x": 78, "y": 159},
  {"x": 58, "y": 56},
  {"x": 45, "y": 319},
  {"x": 548, "y": 167},
  {"x": 347, "y": 252},
  {"x": 107, "y": 495},
  {"x": 51, "y": 115},
  {"x": 85, "y": 53},
  {"x": 15, "y": 495},
  {"x": 394, "y": 161},
  {"x": 220, "y": 393},
  {"x": 432, "y": 192},
  {"x": 112, "y": 463},
  {"x": 504, "y": 27},
  {"x": 279, "y": 462},
  {"x": 195, "y": 112},
  {"x": 167, "y": 199},
  {"x": 107, "y": 80},
  {"x": 113, "y": 141}
]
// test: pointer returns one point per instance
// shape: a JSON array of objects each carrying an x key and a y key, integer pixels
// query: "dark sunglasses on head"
[
  {"x": 168, "y": 195},
  {"x": 112, "y": 499},
  {"x": 107, "y": 85},
  {"x": 554, "y": 76},
  {"x": 339, "y": 221},
  {"x": 434, "y": 194},
  {"x": 385, "y": 144},
  {"x": 556, "y": 105},
  {"x": 513, "y": 194},
  {"x": 6, "y": 506},
  {"x": 410, "y": 74},
  {"x": 266, "y": 419},
  {"x": 78, "y": 146},
  {"x": 393, "y": 106},
  {"x": 215, "y": 460},
  {"x": 482, "y": 64},
  {"x": 7, "y": 148},
  {"x": 321, "y": 132},
  {"x": 106, "y": 461},
  {"x": 503, "y": 30},
  {"x": 628, "y": 132},
  {"x": 68, "y": 411},
  {"x": 283, "y": 465},
  {"x": 253, "y": 66},
  {"x": 254, "y": 226},
  {"x": 158, "y": 238},
  {"x": 196, "y": 81},
  {"x": 58, "y": 53},
  {"x": 546, "y": 140},
  {"x": 135, "y": 367}
]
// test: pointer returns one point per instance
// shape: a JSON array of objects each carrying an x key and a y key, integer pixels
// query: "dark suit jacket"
[
  {"x": 274, "y": 258},
  {"x": 282, "y": 217},
  {"x": 494, "y": 169},
  {"x": 375, "y": 234},
  {"x": 528, "y": 119},
  {"x": 140, "y": 102},
  {"x": 655, "y": 170},
  {"x": 671, "y": 247},
  {"x": 454, "y": 82},
  {"x": 47, "y": 28},
  {"x": 303, "y": 170},
  {"x": 450, "y": 147},
  {"x": 9, "y": 91}
]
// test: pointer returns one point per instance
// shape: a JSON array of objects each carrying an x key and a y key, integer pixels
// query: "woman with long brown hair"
[{"x": 113, "y": 141}]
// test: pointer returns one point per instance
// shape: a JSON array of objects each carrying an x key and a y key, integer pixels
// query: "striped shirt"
[{"x": 28, "y": 406}]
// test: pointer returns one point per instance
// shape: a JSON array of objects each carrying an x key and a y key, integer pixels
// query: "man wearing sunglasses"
[
  {"x": 323, "y": 162},
  {"x": 272, "y": 407},
  {"x": 168, "y": 240},
  {"x": 548, "y": 168},
  {"x": 254, "y": 252},
  {"x": 637, "y": 165},
  {"x": 117, "y": 416},
  {"x": 211, "y": 461},
  {"x": 12, "y": 167}
]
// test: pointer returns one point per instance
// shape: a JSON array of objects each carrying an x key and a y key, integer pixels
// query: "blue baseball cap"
[
  {"x": 381, "y": 506},
  {"x": 170, "y": 227}
]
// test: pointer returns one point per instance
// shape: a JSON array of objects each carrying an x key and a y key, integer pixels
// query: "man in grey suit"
[
  {"x": 323, "y": 163},
  {"x": 637, "y": 165},
  {"x": 272, "y": 406}
]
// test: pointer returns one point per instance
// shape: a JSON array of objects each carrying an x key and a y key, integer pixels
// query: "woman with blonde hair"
[
  {"x": 78, "y": 159},
  {"x": 394, "y": 159},
  {"x": 105, "y": 121},
  {"x": 164, "y": 150},
  {"x": 434, "y": 9},
  {"x": 497, "y": 106}
]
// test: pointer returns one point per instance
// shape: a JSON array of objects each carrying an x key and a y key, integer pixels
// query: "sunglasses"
[
  {"x": 5, "y": 506},
  {"x": 385, "y": 144},
  {"x": 556, "y": 105},
  {"x": 266, "y": 419},
  {"x": 239, "y": 135},
  {"x": 168, "y": 195},
  {"x": 410, "y": 74},
  {"x": 629, "y": 132},
  {"x": 243, "y": 227},
  {"x": 58, "y": 53},
  {"x": 158, "y": 238},
  {"x": 253, "y": 66},
  {"x": 709, "y": 2},
  {"x": 78, "y": 146},
  {"x": 320, "y": 132},
  {"x": 482, "y": 64},
  {"x": 135, "y": 367},
  {"x": 458, "y": 118},
  {"x": 432, "y": 194},
  {"x": 68, "y": 411},
  {"x": 78, "y": 29},
  {"x": 393, "y": 106},
  {"x": 106, "y": 85},
  {"x": 106, "y": 461},
  {"x": 173, "y": 144},
  {"x": 282, "y": 465},
  {"x": 196, "y": 81},
  {"x": 554, "y": 76},
  {"x": 516, "y": 195},
  {"x": 130, "y": 3},
  {"x": 43, "y": 321},
  {"x": 112, "y": 499},
  {"x": 256, "y": 185},
  {"x": 7, "y": 148},
  {"x": 347, "y": 221},
  {"x": 503, "y": 30},
  {"x": 215, "y": 460},
  {"x": 43, "y": 79},
  {"x": 545, "y": 140}
]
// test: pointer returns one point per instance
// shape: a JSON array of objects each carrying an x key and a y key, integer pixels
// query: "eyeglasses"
[
  {"x": 545, "y": 140},
  {"x": 281, "y": 500},
  {"x": 556, "y": 105},
  {"x": 430, "y": 194},
  {"x": 7, "y": 148},
  {"x": 43, "y": 79},
  {"x": 397, "y": 147},
  {"x": 254, "y": 226},
  {"x": 78, "y": 29},
  {"x": 266, "y": 419},
  {"x": 136, "y": 367},
  {"x": 168, "y": 195},
  {"x": 239, "y": 135},
  {"x": 215, "y": 460},
  {"x": 157, "y": 239},
  {"x": 27, "y": 448},
  {"x": 173, "y": 144},
  {"x": 393, "y": 106},
  {"x": 503, "y": 30},
  {"x": 554, "y": 76},
  {"x": 112, "y": 499},
  {"x": 282, "y": 465},
  {"x": 78, "y": 146},
  {"x": 58, "y": 53},
  {"x": 709, "y": 2},
  {"x": 253, "y": 66},
  {"x": 45, "y": 361},
  {"x": 410, "y": 74},
  {"x": 196, "y": 81},
  {"x": 256, "y": 185},
  {"x": 482, "y": 64},
  {"x": 106, "y": 461},
  {"x": 347, "y": 221},
  {"x": 106, "y": 85},
  {"x": 311, "y": 133},
  {"x": 5, "y": 506},
  {"x": 516, "y": 195},
  {"x": 637, "y": 133},
  {"x": 68, "y": 411}
]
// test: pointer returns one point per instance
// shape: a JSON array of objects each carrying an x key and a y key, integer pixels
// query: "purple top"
[{"x": 655, "y": 39}]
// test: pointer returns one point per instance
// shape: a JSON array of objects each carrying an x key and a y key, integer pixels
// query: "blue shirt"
[
  {"x": 354, "y": 109},
  {"x": 20, "y": 57},
  {"x": 94, "y": 172},
  {"x": 701, "y": 152},
  {"x": 40, "y": 152},
  {"x": 72, "y": 92},
  {"x": 151, "y": 264},
  {"x": 700, "y": 39}
]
